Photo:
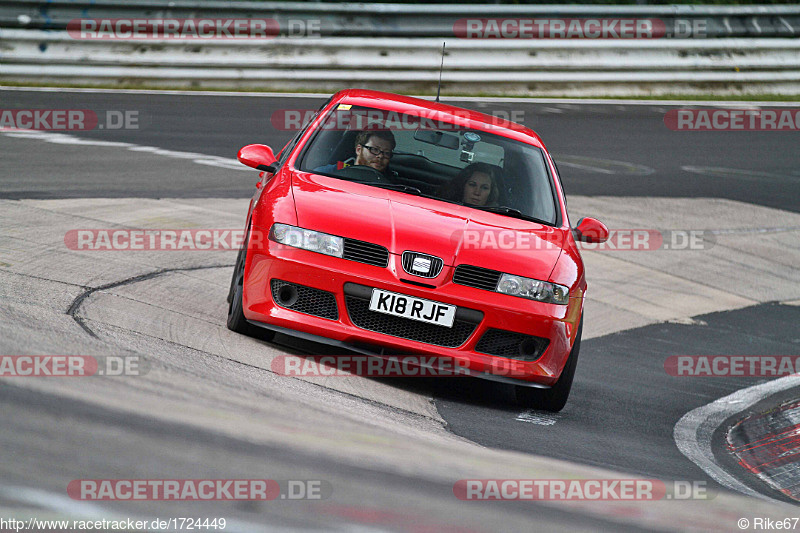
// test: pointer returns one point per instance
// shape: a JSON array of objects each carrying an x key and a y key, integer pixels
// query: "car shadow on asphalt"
[{"x": 459, "y": 389}]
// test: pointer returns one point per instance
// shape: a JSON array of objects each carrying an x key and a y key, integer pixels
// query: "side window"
[{"x": 284, "y": 154}]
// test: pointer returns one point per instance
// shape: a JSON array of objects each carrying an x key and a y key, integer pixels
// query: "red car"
[{"x": 395, "y": 225}]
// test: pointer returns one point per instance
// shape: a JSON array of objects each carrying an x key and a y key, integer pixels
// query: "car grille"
[
  {"x": 308, "y": 300},
  {"x": 512, "y": 345},
  {"x": 408, "y": 264},
  {"x": 480, "y": 278},
  {"x": 365, "y": 252},
  {"x": 358, "y": 309}
]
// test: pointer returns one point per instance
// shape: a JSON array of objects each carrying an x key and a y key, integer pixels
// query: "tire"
[
  {"x": 236, "y": 320},
  {"x": 239, "y": 266},
  {"x": 555, "y": 398}
]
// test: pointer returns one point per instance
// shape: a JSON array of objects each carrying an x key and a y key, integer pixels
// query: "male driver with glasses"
[{"x": 373, "y": 149}]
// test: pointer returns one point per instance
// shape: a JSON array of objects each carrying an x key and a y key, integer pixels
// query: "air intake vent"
[
  {"x": 512, "y": 345},
  {"x": 365, "y": 252},
  {"x": 304, "y": 299},
  {"x": 480, "y": 278}
]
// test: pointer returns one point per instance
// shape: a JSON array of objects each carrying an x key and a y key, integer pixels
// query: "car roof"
[{"x": 438, "y": 111}]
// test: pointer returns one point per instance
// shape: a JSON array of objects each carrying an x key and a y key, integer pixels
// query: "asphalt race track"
[
  {"x": 386, "y": 451},
  {"x": 754, "y": 167}
]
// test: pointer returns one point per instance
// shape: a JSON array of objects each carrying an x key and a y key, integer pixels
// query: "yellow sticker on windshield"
[{"x": 344, "y": 107}]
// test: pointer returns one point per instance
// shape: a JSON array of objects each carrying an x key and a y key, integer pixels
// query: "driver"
[{"x": 374, "y": 148}]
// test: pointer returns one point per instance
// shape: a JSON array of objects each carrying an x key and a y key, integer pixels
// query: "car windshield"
[{"x": 430, "y": 158}]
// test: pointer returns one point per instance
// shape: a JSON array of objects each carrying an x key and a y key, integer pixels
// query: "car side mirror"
[
  {"x": 259, "y": 157},
  {"x": 590, "y": 230}
]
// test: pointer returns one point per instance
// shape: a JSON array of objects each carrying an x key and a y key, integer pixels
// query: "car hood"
[{"x": 402, "y": 222}]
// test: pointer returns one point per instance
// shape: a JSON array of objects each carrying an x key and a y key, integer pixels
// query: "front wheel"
[
  {"x": 236, "y": 320},
  {"x": 555, "y": 398}
]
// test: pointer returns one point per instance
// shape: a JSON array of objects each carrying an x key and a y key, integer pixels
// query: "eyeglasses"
[{"x": 377, "y": 151}]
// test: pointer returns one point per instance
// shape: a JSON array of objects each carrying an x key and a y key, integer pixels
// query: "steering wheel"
[{"x": 361, "y": 173}]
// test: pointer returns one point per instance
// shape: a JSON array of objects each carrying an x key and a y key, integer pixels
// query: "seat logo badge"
[{"x": 422, "y": 265}]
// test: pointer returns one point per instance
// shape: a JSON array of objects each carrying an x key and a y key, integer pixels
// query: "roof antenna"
[{"x": 441, "y": 67}]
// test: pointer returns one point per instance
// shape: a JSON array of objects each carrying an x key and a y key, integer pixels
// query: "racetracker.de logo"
[
  {"x": 199, "y": 489},
  {"x": 732, "y": 365},
  {"x": 580, "y": 489},
  {"x": 390, "y": 366},
  {"x": 173, "y": 489},
  {"x": 363, "y": 365},
  {"x": 72, "y": 365},
  {"x": 733, "y": 119},
  {"x": 559, "y": 28},
  {"x": 157, "y": 239},
  {"x": 48, "y": 119},
  {"x": 67, "y": 120},
  {"x": 559, "y": 489},
  {"x": 346, "y": 118},
  {"x": 629, "y": 240},
  {"x": 172, "y": 28}
]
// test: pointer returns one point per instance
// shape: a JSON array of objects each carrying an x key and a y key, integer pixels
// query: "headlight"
[
  {"x": 533, "y": 289},
  {"x": 307, "y": 239}
]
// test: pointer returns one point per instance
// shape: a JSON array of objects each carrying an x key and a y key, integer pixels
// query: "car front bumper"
[{"x": 333, "y": 308}]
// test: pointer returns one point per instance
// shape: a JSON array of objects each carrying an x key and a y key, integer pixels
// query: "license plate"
[{"x": 411, "y": 307}]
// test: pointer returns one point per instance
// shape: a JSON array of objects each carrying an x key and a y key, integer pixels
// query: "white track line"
[
  {"x": 538, "y": 418},
  {"x": 693, "y": 432},
  {"x": 63, "y": 138}
]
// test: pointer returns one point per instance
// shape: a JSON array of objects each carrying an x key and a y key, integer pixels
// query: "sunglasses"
[{"x": 378, "y": 151}]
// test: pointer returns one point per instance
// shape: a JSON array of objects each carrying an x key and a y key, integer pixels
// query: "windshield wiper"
[
  {"x": 511, "y": 212},
  {"x": 395, "y": 187}
]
